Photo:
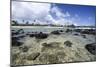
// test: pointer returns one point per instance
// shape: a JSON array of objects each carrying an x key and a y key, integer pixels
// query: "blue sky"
[{"x": 51, "y": 13}]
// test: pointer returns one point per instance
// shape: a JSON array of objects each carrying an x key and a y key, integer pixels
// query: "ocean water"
[{"x": 39, "y": 29}]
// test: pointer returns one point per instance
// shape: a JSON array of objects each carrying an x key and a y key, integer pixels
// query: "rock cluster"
[
  {"x": 91, "y": 48},
  {"x": 55, "y": 32}
]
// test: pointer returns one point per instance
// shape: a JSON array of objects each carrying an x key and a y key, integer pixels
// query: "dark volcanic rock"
[
  {"x": 68, "y": 30},
  {"x": 15, "y": 42},
  {"x": 51, "y": 45},
  {"x": 41, "y": 35},
  {"x": 20, "y": 31},
  {"x": 61, "y": 30},
  {"x": 91, "y": 48},
  {"x": 76, "y": 34},
  {"x": 68, "y": 43},
  {"x": 77, "y": 30},
  {"x": 31, "y": 35},
  {"x": 55, "y": 32},
  {"x": 89, "y": 31},
  {"x": 84, "y": 36}
]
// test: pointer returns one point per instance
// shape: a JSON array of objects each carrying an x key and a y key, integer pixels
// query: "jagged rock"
[
  {"x": 41, "y": 35},
  {"x": 55, "y": 32},
  {"x": 33, "y": 56},
  {"x": 68, "y": 30},
  {"x": 91, "y": 48},
  {"x": 88, "y": 31},
  {"x": 31, "y": 35},
  {"x": 68, "y": 43}
]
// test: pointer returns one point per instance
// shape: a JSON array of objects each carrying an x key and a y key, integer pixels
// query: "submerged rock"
[
  {"x": 89, "y": 31},
  {"x": 20, "y": 31},
  {"x": 24, "y": 48},
  {"x": 41, "y": 35},
  {"x": 68, "y": 43},
  {"x": 61, "y": 30},
  {"x": 76, "y": 34},
  {"x": 84, "y": 36},
  {"x": 51, "y": 45},
  {"x": 68, "y": 30},
  {"x": 31, "y": 35},
  {"x": 77, "y": 30},
  {"x": 55, "y": 32},
  {"x": 61, "y": 55},
  {"x": 48, "y": 59},
  {"x": 91, "y": 48},
  {"x": 33, "y": 56}
]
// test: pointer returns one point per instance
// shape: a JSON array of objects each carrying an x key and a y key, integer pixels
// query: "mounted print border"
[{"x": 52, "y": 33}]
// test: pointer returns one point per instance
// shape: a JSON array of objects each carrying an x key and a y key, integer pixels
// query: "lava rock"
[
  {"x": 61, "y": 30},
  {"x": 77, "y": 30},
  {"x": 15, "y": 42},
  {"x": 91, "y": 48},
  {"x": 76, "y": 34},
  {"x": 41, "y": 35},
  {"x": 68, "y": 30},
  {"x": 68, "y": 43},
  {"x": 31, "y": 35},
  {"x": 89, "y": 31},
  {"x": 51, "y": 45},
  {"x": 55, "y": 32},
  {"x": 84, "y": 36}
]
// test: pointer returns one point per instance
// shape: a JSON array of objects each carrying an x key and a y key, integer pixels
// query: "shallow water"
[{"x": 39, "y": 29}]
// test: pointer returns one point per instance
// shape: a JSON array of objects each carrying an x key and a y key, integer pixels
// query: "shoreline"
[{"x": 34, "y": 27}]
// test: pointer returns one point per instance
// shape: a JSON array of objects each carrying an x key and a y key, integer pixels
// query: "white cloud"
[
  {"x": 57, "y": 11},
  {"x": 39, "y": 12},
  {"x": 28, "y": 10},
  {"x": 67, "y": 14}
]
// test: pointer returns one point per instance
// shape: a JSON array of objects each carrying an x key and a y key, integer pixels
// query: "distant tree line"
[{"x": 15, "y": 23}]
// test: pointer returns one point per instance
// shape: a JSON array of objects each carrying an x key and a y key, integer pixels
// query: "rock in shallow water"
[
  {"x": 24, "y": 48},
  {"x": 33, "y": 56},
  {"x": 48, "y": 58},
  {"x": 15, "y": 42},
  {"x": 91, "y": 48},
  {"x": 41, "y": 35},
  {"x": 68, "y": 43},
  {"x": 55, "y": 32}
]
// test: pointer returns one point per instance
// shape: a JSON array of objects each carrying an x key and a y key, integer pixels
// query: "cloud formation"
[{"x": 43, "y": 13}]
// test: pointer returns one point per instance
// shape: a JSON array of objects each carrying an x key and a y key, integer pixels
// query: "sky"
[{"x": 53, "y": 13}]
